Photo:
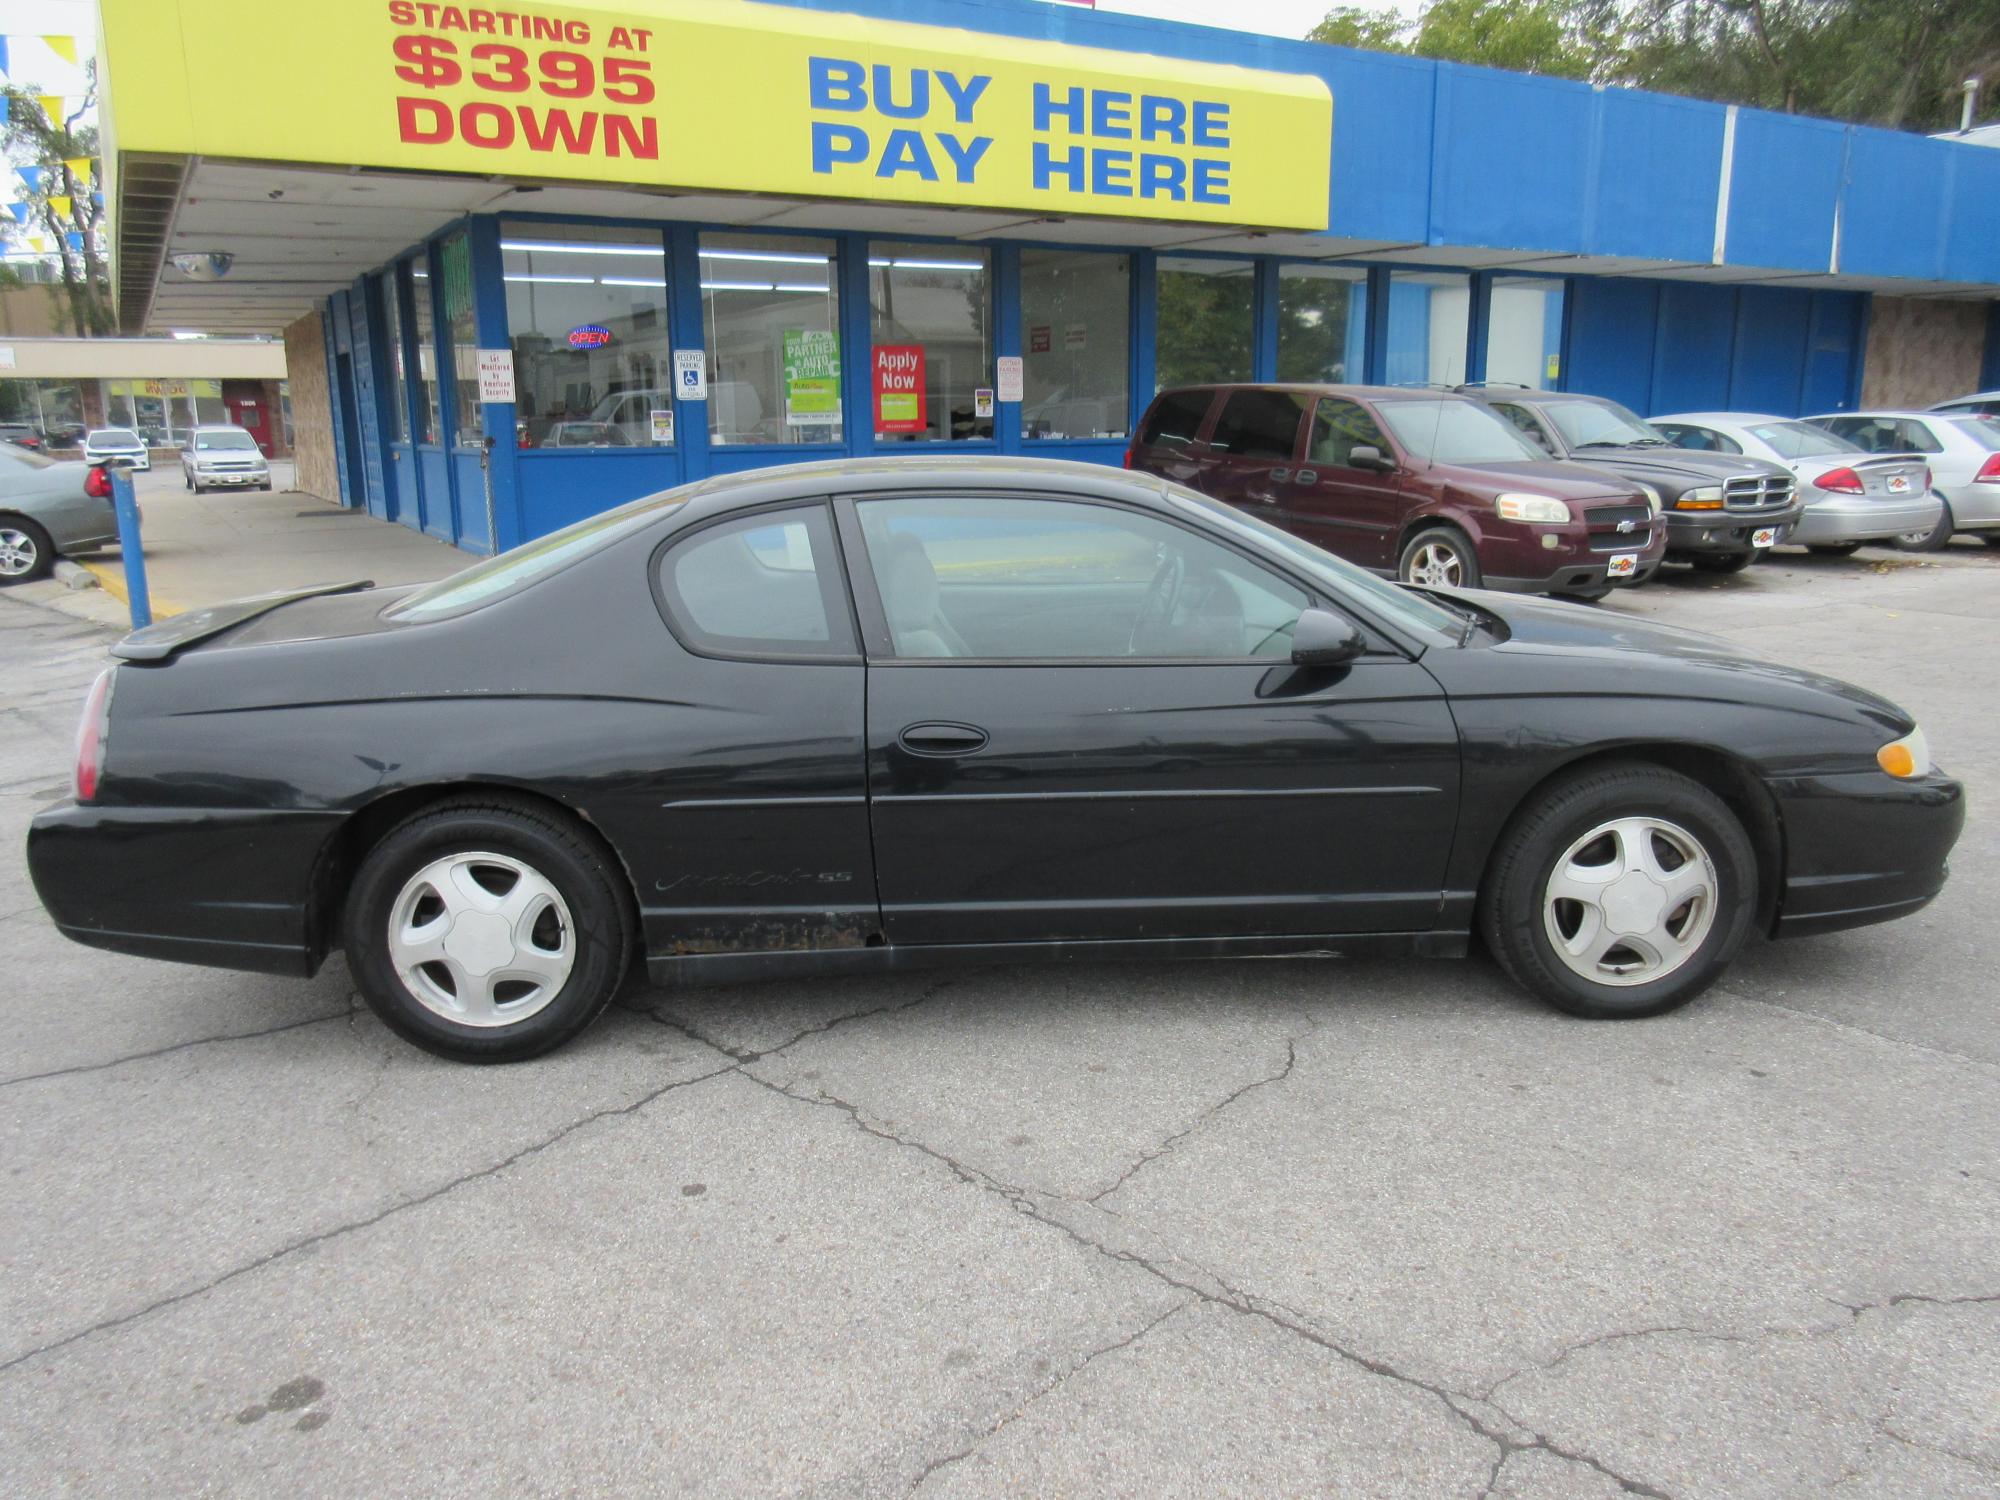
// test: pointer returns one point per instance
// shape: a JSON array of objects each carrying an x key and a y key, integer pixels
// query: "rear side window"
[
  {"x": 1259, "y": 424},
  {"x": 760, "y": 585},
  {"x": 1982, "y": 430},
  {"x": 1175, "y": 419}
]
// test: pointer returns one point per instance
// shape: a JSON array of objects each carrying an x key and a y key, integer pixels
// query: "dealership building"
[{"x": 532, "y": 260}]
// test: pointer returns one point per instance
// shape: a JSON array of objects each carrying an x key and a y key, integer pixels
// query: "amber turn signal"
[{"x": 1906, "y": 758}]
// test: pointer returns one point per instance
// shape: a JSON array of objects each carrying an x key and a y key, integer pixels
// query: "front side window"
[
  {"x": 1206, "y": 321},
  {"x": 1455, "y": 432},
  {"x": 930, "y": 376},
  {"x": 1524, "y": 332},
  {"x": 587, "y": 320},
  {"x": 1016, "y": 579},
  {"x": 770, "y": 308},
  {"x": 1339, "y": 427},
  {"x": 759, "y": 585},
  {"x": 455, "y": 263},
  {"x": 1076, "y": 362},
  {"x": 1524, "y": 423},
  {"x": 428, "y": 418},
  {"x": 1259, "y": 424},
  {"x": 1601, "y": 424},
  {"x": 1430, "y": 314},
  {"x": 1322, "y": 323}
]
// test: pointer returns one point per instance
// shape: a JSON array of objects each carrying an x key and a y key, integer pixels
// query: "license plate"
[
  {"x": 1899, "y": 484},
  {"x": 1765, "y": 536},
  {"x": 1622, "y": 565}
]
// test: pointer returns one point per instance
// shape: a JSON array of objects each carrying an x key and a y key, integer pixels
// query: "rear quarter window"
[
  {"x": 1176, "y": 419},
  {"x": 1259, "y": 424}
]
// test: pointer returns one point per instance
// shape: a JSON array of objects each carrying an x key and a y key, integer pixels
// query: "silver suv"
[{"x": 217, "y": 457}]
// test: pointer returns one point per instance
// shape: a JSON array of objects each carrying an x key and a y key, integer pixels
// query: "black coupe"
[{"x": 857, "y": 716}]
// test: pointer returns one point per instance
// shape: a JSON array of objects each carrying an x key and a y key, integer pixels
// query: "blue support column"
[
  {"x": 857, "y": 338},
  {"x": 1989, "y": 369},
  {"x": 330, "y": 316},
  {"x": 1145, "y": 332},
  {"x": 1006, "y": 340},
  {"x": 1264, "y": 305},
  {"x": 684, "y": 321},
  {"x": 489, "y": 320},
  {"x": 1375, "y": 367},
  {"x": 131, "y": 550},
  {"x": 1478, "y": 321}
]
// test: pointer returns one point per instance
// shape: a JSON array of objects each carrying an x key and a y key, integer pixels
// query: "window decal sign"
[
  {"x": 589, "y": 336},
  {"x": 812, "y": 377},
  {"x": 899, "y": 388},
  {"x": 838, "y": 106}
]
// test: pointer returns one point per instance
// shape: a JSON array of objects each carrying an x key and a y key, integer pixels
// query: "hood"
[
  {"x": 1559, "y": 478},
  {"x": 1677, "y": 466}
]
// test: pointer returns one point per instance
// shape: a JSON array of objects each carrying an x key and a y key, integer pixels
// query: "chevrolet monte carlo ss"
[{"x": 858, "y": 716}]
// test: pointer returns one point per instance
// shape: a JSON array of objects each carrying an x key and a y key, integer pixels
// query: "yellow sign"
[{"x": 726, "y": 95}]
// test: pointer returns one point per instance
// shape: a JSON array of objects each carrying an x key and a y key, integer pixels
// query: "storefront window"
[
  {"x": 770, "y": 309},
  {"x": 931, "y": 327},
  {"x": 1076, "y": 339},
  {"x": 428, "y": 420},
  {"x": 53, "y": 408},
  {"x": 1322, "y": 323},
  {"x": 455, "y": 264},
  {"x": 1206, "y": 321},
  {"x": 587, "y": 316},
  {"x": 392, "y": 318},
  {"x": 1524, "y": 332},
  {"x": 209, "y": 407},
  {"x": 1429, "y": 314}
]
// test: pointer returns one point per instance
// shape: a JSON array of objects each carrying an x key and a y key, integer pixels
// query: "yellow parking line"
[{"x": 113, "y": 580}]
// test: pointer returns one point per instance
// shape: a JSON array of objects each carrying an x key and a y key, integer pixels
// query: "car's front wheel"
[
  {"x": 25, "y": 551},
  {"x": 1622, "y": 892},
  {"x": 488, "y": 930},
  {"x": 1440, "y": 557}
]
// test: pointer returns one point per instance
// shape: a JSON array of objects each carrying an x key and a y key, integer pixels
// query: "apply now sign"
[{"x": 727, "y": 95}]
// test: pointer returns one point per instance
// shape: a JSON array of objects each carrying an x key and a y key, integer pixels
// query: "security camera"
[{"x": 204, "y": 265}]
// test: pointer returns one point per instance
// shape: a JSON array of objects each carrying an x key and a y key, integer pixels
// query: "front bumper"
[
  {"x": 140, "y": 461},
  {"x": 1857, "y": 518},
  {"x": 1863, "y": 847},
  {"x": 232, "y": 476},
  {"x": 1724, "y": 531}
]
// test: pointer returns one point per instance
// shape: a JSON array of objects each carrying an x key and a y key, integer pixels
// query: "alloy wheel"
[
  {"x": 1630, "y": 902},
  {"x": 19, "y": 554},
  {"x": 481, "y": 939},
  {"x": 1436, "y": 565}
]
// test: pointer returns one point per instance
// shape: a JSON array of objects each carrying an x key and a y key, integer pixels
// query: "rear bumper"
[
  {"x": 226, "y": 888},
  {"x": 1859, "y": 519},
  {"x": 1863, "y": 847}
]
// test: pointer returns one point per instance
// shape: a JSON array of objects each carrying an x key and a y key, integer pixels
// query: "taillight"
[
  {"x": 1127, "y": 462},
  {"x": 1846, "y": 481},
  {"x": 1989, "y": 472},
  {"x": 91, "y": 735},
  {"x": 97, "y": 483}
]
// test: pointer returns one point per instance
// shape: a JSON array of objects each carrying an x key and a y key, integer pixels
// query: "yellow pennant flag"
[
  {"x": 59, "y": 205},
  {"x": 40, "y": 242},
  {"x": 63, "y": 47},
  {"x": 52, "y": 106},
  {"x": 79, "y": 168}
]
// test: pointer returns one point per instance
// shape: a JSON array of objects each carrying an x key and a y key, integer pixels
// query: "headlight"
[
  {"x": 1537, "y": 508},
  {"x": 1703, "y": 497},
  {"x": 1907, "y": 758},
  {"x": 1652, "y": 495}
]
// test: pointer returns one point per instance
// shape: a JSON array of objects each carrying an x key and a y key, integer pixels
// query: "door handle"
[
  {"x": 1307, "y": 476},
  {"x": 936, "y": 738},
  {"x": 1281, "y": 475}
]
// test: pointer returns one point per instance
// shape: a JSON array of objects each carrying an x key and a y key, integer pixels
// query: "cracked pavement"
[{"x": 1297, "y": 1228}]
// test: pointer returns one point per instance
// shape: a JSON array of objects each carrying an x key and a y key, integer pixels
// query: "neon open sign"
[{"x": 589, "y": 336}]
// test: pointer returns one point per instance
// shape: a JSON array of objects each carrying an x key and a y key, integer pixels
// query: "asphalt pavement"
[{"x": 1259, "y": 1229}]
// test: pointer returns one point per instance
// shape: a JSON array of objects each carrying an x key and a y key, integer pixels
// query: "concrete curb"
[{"x": 74, "y": 575}]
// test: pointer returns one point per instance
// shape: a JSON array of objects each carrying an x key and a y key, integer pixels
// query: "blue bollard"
[{"x": 130, "y": 549}]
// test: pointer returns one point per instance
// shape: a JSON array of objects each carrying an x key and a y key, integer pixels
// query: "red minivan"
[{"x": 1424, "y": 485}]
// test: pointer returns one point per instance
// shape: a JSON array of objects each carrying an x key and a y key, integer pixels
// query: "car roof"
[
  {"x": 219, "y": 427},
  {"x": 1724, "y": 418},
  {"x": 1529, "y": 393},
  {"x": 1883, "y": 411},
  {"x": 1316, "y": 388},
  {"x": 1970, "y": 396}
]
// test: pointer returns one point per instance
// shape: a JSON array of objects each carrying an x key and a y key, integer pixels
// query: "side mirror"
[
  {"x": 1324, "y": 639},
  {"x": 1368, "y": 456}
]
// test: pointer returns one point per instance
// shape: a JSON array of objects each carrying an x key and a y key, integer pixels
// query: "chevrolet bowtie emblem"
[{"x": 1628, "y": 525}]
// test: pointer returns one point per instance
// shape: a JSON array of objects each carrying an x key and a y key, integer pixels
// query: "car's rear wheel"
[
  {"x": 1834, "y": 549},
  {"x": 25, "y": 551},
  {"x": 1992, "y": 539},
  {"x": 488, "y": 930},
  {"x": 1931, "y": 540},
  {"x": 1620, "y": 893},
  {"x": 1722, "y": 562},
  {"x": 1440, "y": 557}
]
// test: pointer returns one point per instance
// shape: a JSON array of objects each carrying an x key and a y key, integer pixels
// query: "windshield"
[
  {"x": 1456, "y": 432},
  {"x": 224, "y": 440},
  {"x": 1800, "y": 439},
  {"x": 486, "y": 581},
  {"x": 1393, "y": 602},
  {"x": 1984, "y": 431},
  {"x": 1600, "y": 423},
  {"x": 113, "y": 437}
]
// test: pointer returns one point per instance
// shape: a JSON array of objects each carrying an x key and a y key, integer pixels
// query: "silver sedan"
[
  {"x": 1851, "y": 496},
  {"x": 1964, "y": 455},
  {"x": 48, "y": 508}
]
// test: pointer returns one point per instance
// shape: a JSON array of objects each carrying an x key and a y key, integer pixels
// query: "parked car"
[
  {"x": 21, "y": 434},
  {"x": 1850, "y": 496},
  {"x": 1416, "y": 484},
  {"x": 1722, "y": 512},
  {"x": 1023, "y": 710},
  {"x": 1964, "y": 457},
  {"x": 120, "y": 447},
  {"x": 1978, "y": 404},
  {"x": 48, "y": 509},
  {"x": 569, "y": 432},
  {"x": 223, "y": 457}
]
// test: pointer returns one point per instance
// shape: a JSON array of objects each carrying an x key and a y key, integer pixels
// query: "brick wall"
[
  {"x": 312, "y": 408},
  {"x": 1921, "y": 351}
]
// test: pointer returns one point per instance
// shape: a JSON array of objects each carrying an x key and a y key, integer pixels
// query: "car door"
[
  {"x": 1084, "y": 724},
  {"x": 1353, "y": 511},
  {"x": 1254, "y": 446}
]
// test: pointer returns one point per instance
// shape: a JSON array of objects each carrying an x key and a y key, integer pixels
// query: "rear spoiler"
[{"x": 159, "y": 641}]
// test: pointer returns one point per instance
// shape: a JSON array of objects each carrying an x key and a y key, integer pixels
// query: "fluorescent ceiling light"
[
  {"x": 932, "y": 265},
  {"x": 566, "y": 280},
  {"x": 760, "y": 286},
  {"x": 770, "y": 256},
  {"x": 629, "y": 281},
  {"x": 564, "y": 248},
  {"x": 817, "y": 291}
]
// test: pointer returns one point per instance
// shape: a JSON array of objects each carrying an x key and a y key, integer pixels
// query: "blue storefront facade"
[{"x": 1481, "y": 226}]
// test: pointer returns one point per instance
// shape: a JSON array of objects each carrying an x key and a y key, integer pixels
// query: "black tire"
[
  {"x": 1512, "y": 911},
  {"x": 582, "y": 870},
  {"x": 1834, "y": 549},
  {"x": 1722, "y": 562},
  {"x": 34, "y": 541},
  {"x": 1929, "y": 541},
  {"x": 1447, "y": 539},
  {"x": 1992, "y": 539},
  {"x": 1588, "y": 596}
]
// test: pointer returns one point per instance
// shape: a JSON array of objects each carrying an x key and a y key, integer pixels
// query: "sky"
[{"x": 1292, "y": 18}]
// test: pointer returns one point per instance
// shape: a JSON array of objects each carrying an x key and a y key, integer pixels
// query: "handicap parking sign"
[{"x": 690, "y": 375}]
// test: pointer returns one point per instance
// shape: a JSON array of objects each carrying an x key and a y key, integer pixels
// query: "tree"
[
  {"x": 33, "y": 139},
  {"x": 1561, "y": 38}
]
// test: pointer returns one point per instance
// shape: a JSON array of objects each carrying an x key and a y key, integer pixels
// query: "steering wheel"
[{"x": 1156, "y": 610}]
